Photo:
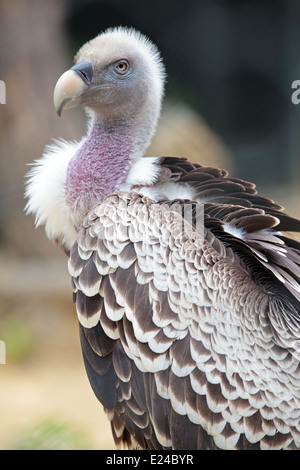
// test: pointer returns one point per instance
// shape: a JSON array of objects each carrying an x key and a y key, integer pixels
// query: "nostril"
[
  {"x": 82, "y": 74},
  {"x": 85, "y": 70}
]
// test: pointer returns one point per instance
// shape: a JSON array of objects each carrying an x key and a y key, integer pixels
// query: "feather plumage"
[{"x": 218, "y": 367}]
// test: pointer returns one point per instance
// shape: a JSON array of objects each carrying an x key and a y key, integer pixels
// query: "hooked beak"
[{"x": 72, "y": 85}]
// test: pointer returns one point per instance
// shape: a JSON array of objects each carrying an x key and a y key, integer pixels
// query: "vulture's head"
[
  {"x": 117, "y": 75},
  {"x": 118, "y": 78}
]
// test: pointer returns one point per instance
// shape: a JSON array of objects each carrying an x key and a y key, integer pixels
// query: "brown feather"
[{"x": 183, "y": 365}]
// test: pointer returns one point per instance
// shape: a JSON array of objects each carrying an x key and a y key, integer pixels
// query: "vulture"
[{"x": 186, "y": 281}]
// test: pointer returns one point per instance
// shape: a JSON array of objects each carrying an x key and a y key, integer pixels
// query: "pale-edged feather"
[{"x": 209, "y": 377}]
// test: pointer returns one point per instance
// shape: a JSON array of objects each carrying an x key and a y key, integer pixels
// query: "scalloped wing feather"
[{"x": 183, "y": 346}]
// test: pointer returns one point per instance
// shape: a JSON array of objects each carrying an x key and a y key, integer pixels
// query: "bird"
[{"x": 186, "y": 281}]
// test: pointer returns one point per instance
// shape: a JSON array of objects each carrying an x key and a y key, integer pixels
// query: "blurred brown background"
[{"x": 228, "y": 102}]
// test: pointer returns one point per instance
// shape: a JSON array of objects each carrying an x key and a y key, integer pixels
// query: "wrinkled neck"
[{"x": 100, "y": 166}]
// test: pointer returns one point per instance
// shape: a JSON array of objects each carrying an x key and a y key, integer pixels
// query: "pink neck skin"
[{"x": 100, "y": 166}]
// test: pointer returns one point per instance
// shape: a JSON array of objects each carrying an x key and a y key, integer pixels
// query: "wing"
[
  {"x": 235, "y": 208},
  {"x": 214, "y": 185},
  {"x": 184, "y": 348}
]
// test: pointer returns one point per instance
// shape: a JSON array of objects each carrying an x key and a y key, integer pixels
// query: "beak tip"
[{"x": 58, "y": 110}]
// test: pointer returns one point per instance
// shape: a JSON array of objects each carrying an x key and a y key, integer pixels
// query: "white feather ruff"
[{"x": 45, "y": 192}]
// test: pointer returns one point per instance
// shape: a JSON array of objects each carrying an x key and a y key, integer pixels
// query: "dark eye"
[{"x": 121, "y": 66}]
